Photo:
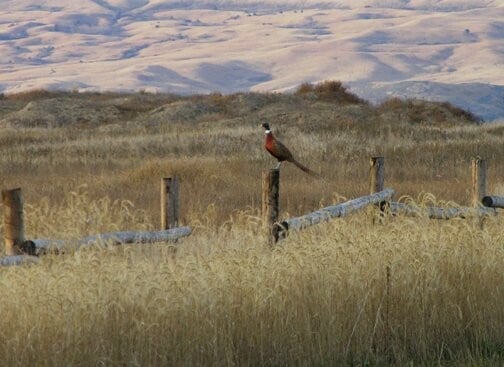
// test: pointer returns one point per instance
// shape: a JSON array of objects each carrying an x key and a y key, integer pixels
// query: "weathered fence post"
[
  {"x": 13, "y": 220},
  {"x": 169, "y": 202},
  {"x": 271, "y": 203},
  {"x": 479, "y": 184},
  {"x": 479, "y": 180},
  {"x": 377, "y": 181},
  {"x": 377, "y": 175}
]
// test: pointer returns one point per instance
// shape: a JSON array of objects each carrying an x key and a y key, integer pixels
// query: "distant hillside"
[
  {"x": 120, "y": 144},
  {"x": 328, "y": 100},
  {"x": 484, "y": 100},
  {"x": 435, "y": 50}
]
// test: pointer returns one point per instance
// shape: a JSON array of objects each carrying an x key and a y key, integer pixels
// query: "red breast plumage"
[{"x": 278, "y": 150}]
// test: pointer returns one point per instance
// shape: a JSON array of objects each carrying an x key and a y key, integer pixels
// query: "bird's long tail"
[{"x": 304, "y": 168}]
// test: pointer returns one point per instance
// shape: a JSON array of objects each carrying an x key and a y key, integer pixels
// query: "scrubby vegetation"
[
  {"x": 407, "y": 291},
  {"x": 403, "y": 292},
  {"x": 329, "y": 91},
  {"x": 121, "y": 145}
]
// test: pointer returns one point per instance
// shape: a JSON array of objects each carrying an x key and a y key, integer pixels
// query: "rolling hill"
[{"x": 436, "y": 50}]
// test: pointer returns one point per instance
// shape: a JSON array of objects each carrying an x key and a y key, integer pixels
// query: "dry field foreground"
[{"x": 406, "y": 291}]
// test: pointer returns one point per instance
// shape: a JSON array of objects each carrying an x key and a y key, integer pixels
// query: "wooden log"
[
  {"x": 18, "y": 260},
  {"x": 479, "y": 180},
  {"x": 13, "y": 220},
  {"x": 377, "y": 175},
  {"x": 493, "y": 201},
  {"x": 115, "y": 238},
  {"x": 333, "y": 211},
  {"x": 169, "y": 202},
  {"x": 438, "y": 213},
  {"x": 271, "y": 203}
]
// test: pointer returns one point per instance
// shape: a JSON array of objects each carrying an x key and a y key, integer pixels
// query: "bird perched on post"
[{"x": 276, "y": 148}]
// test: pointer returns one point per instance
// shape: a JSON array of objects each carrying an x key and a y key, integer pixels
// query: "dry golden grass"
[
  {"x": 215, "y": 144},
  {"x": 322, "y": 297}
]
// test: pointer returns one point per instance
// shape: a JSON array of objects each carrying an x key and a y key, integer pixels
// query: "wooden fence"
[
  {"x": 19, "y": 250},
  {"x": 483, "y": 205}
]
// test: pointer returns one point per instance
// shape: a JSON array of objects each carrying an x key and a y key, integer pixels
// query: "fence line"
[
  {"x": 333, "y": 211},
  {"x": 382, "y": 199},
  {"x": 20, "y": 251}
]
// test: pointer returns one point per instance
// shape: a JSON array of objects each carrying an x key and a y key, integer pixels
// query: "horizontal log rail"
[
  {"x": 333, "y": 211},
  {"x": 115, "y": 238},
  {"x": 18, "y": 260},
  {"x": 438, "y": 213},
  {"x": 40, "y": 246},
  {"x": 493, "y": 201}
]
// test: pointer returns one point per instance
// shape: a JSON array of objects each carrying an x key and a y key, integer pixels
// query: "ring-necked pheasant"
[{"x": 276, "y": 148}]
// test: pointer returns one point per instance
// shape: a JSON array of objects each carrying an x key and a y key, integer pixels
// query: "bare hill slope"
[{"x": 380, "y": 48}]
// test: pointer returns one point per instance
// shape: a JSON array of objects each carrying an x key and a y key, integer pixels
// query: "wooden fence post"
[
  {"x": 479, "y": 180},
  {"x": 271, "y": 204},
  {"x": 169, "y": 202},
  {"x": 479, "y": 171},
  {"x": 13, "y": 221},
  {"x": 377, "y": 182},
  {"x": 377, "y": 175}
]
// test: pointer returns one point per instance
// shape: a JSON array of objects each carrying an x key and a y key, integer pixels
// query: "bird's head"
[{"x": 266, "y": 127}]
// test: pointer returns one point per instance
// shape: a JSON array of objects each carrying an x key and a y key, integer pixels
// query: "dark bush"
[{"x": 330, "y": 91}]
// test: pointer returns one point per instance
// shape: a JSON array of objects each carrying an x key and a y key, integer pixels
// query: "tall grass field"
[{"x": 402, "y": 291}]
